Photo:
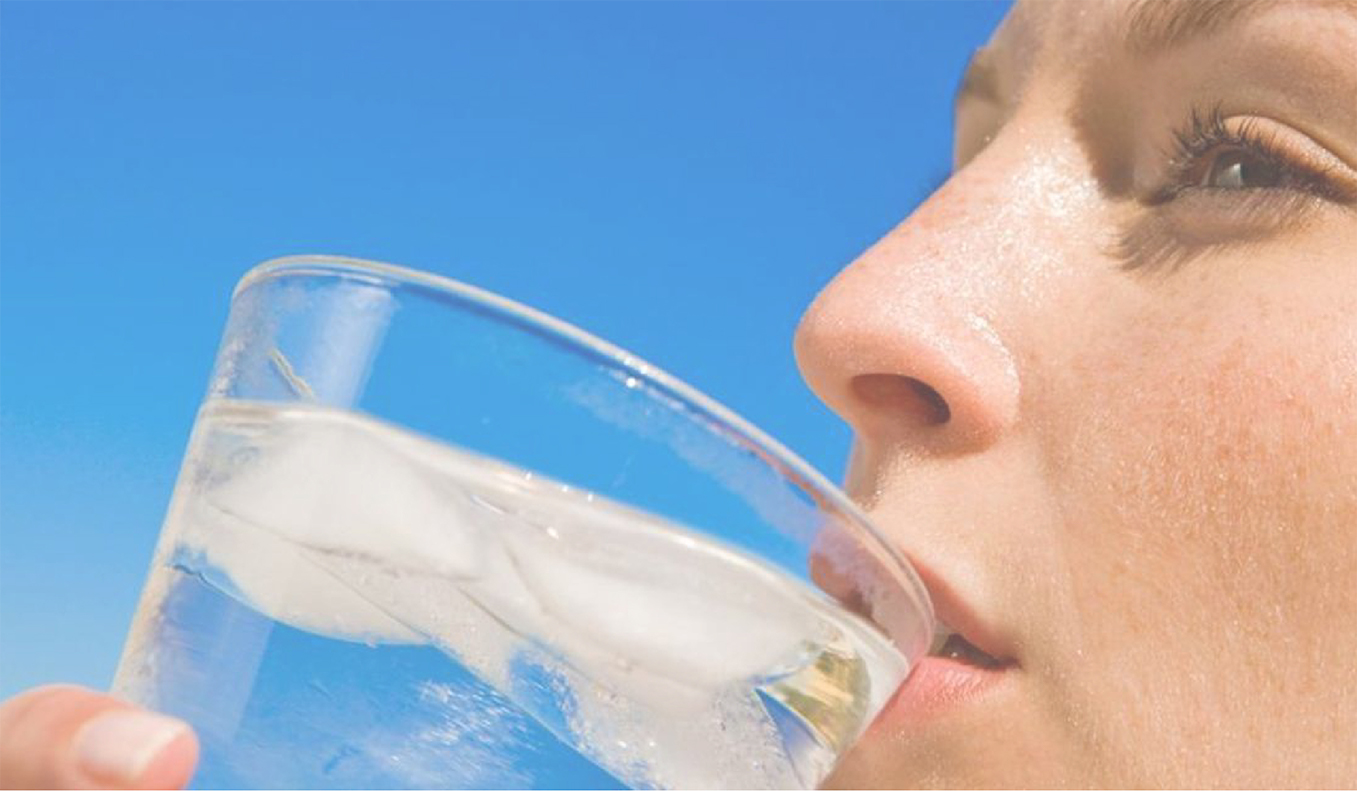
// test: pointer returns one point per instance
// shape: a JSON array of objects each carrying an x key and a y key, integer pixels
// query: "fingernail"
[{"x": 119, "y": 745}]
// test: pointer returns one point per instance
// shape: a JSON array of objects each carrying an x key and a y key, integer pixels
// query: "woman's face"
[{"x": 1104, "y": 390}]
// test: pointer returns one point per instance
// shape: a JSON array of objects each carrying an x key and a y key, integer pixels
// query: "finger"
[{"x": 64, "y": 736}]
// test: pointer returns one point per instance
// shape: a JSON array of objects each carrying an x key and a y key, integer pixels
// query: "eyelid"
[
  {"x": 1183, "y": 219},
  {"x": 1308, "y": 153},
  {"x": 980, "y": 80},
  {"x": 1319, "y": 170}
]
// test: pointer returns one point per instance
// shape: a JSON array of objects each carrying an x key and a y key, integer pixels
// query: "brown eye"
[{"x": 1239, "y": 169}]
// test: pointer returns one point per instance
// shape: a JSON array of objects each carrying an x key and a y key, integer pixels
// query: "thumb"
[{"x": 63, "y": 736}]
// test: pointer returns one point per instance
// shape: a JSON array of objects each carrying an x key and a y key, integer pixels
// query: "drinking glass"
[{"x": 425, "y": 536}]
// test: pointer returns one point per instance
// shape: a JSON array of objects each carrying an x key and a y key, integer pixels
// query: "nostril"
[
  {"x": 941, "y": 412},
  {"x": 902, "y": 396}
]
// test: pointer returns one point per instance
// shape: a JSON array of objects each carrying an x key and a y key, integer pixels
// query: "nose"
[{"x": 905, "y": 344}]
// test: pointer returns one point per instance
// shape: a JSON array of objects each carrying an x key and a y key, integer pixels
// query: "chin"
[
  {"x": 987, "y": 744},
  {"x": 952, "y": 766}
]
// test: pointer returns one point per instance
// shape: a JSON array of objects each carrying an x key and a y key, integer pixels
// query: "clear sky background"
[{"x": 678, "y": 178}]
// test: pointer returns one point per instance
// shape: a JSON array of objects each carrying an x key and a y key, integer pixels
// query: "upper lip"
[
  {"x": 949, "y": 608},
  {"x": 954, "y": 612}
]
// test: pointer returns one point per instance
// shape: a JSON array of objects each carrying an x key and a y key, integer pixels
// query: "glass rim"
[{"x": 571, "y": 336}]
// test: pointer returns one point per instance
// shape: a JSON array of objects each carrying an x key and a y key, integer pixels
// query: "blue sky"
[{"x": 678, "y": 178}]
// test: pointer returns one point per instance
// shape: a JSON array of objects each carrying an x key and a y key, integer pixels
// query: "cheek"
[
  {"x": 1230, "y": 448},
  {"x": 1206, "y": 472}
]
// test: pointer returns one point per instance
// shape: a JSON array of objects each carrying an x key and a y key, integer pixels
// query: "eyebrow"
[{"x": 1153, "y": 26}]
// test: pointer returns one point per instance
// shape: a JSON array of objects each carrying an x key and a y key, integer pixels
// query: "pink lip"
[
  {"x": 954, "y": 611},
  {"x": 938, "y": 685}
]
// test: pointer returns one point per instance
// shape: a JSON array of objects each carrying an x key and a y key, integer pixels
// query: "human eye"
[
  {"x": 1233, "y": 179},
  {"x": 1213, "y": 155}
]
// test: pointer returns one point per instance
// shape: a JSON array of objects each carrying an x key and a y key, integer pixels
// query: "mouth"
[
  {"x": 951, "y": 646},
  {"x": 970, "y": 655},
  {"x": 951, "y": 676},
  {"x": 969, "y": 659}
]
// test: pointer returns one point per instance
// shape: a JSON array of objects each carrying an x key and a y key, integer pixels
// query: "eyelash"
[
  {"x": 1206, "y": 132},
  {"x": 1160, "y": 238}
]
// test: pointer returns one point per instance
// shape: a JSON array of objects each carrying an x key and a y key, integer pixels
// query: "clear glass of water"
[{"x": 425, "y": 536}]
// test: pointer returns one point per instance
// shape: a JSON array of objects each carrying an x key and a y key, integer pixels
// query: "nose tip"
[{"x": 928, "y": 373}]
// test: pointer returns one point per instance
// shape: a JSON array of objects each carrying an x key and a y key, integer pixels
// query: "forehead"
[
  {"x": 1047, "y": 42},
  {"x": 1137, "y": 27}
]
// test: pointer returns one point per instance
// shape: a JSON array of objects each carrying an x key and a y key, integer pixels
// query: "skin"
[
  {"x": 1144, "y": 484},
  {"x": 1132, "y": 455},
  {"x": 39, "y": 735}
]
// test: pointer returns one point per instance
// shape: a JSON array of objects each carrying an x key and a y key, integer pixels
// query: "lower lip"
[{"x": 938, "y": 685}]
